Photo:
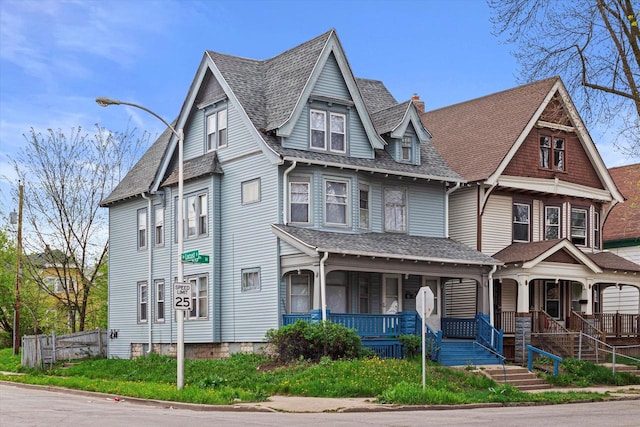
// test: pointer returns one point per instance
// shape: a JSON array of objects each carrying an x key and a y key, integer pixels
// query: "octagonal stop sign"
[{"x": 424, "y": 302}]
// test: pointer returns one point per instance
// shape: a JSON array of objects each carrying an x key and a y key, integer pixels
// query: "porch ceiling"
[{"x": 382, "y": 245}]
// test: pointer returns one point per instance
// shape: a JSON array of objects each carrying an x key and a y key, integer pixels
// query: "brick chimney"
[{"x": 419, "y": 104}]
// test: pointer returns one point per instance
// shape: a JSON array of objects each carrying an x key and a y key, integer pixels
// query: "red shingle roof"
[
  {"x": 624, "y": 220},
  {"x": 475, "y": 136}
]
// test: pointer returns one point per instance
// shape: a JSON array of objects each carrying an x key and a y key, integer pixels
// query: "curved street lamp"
[{"x": 105, "y": 102}]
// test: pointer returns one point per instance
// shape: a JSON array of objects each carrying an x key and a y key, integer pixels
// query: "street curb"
[{"x": 264, "y": 406}]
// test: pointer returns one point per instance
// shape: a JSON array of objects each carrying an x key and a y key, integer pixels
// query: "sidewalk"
[{"x": 297, "y": 404}]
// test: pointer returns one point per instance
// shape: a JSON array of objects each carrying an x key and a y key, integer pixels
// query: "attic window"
[
  {"x": 552, "y": 153},
  {"x": 217, "y": 130},
  {"x": 407, "y": 144},
  {"x": 335, "y": 128}
]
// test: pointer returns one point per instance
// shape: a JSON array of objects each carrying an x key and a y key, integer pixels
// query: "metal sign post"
[{"x": 424, "y": 306}]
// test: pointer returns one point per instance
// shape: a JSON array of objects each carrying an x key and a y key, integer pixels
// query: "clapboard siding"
[
  {"x": 463, "y": 216},
  {"x": 496, "y": 224},
  {"x": 624, "y": 300},
  {"x": 460, "y": 298},
  {"x": 247, "y": 241},
  {"x": 426, "y": 209},
  {"x": 330, "y": 81}
]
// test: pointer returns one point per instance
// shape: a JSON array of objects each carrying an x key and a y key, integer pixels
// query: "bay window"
[
  {"x": 521, "y": 222},
  {"x": 579, "y": 226}
]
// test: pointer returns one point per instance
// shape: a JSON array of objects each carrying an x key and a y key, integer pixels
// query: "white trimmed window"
[
  {"x": 159, "y": 225},
  {"x": 300, "y": 293},
  {"x": 251, "y": 280},
  {"x": 552, "y": 153},
  {"x": 199, "y": 297},
  {"x": 336, "y": 200},
  {"x": 299, "y": 197},
  {"x": 521, "y": 222},
  {"x": 159, "y": 301},
  {"x": 364, "y": 207},
  {"x": 579, "y": 226},
  {"x": 196, "y": 215},
  {"x": 143, "y": 300},
  {"x": 596, "y": 230},
  {"x": 142, "y": 228},
  {"x": 551, "y": 222},
  {"x": 318, "y": 130},
  {"x": 395, "y": 210},
  {"x": 336, "y": 128},
  {"x": 338, "y": 132},
  {"x": 251, "y": 191},
  {"x": 217, "y": 130}
]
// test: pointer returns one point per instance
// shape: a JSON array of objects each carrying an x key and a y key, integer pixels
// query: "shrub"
[
  {"x": 412, "y": 345},
  {"x": 312, "y": 341}
]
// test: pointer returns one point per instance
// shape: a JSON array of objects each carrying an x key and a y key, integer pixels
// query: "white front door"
[{"x": 391, "y": 293}]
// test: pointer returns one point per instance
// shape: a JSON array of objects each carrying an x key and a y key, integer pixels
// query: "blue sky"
[{"x": 57, "y": 56}]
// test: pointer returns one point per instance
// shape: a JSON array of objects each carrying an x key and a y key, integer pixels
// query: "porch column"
[
  {"x": 589, "y": 286},
  {"x": 316, "y": 290},
  {"x": 483, "y": 303},
  {"x": 523, "y": 321}
]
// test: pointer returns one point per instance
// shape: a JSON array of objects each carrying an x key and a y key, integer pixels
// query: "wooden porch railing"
[
  {"x": 553, "y": 331},
  {"x": 618, "y": 324},
  {"x": 578, "y": 323},
  {"x": 506, "y": 320},
  {"x": 381, "y": 325}
]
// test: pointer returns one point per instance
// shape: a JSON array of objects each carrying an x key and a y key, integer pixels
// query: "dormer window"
[
  {"x": 407, "y": 148},
  {"x": 552, "y": 150},
  {"x": 335, "y": 128},
  {"x": 217, "y": 130}
]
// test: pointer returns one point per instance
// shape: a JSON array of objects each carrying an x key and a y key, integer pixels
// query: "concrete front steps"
[
  {"x": 624, "y": 368},
  {"x": 466, "y": 353},
  {"x": 518, "y": 377}
]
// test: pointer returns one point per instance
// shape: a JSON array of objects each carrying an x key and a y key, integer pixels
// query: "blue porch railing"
[
  {"x": 459, "y": 328},
  {"x": 433, "y": 342},
  {"x": 487, "y": 335}
]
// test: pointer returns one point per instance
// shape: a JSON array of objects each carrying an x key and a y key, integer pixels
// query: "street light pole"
[{"x": 104, "y": 102}]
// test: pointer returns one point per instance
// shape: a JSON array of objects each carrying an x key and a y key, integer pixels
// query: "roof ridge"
[{"x": 513, "y": 89}]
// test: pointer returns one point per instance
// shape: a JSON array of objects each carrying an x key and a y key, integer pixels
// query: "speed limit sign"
[{"x": 182, "y": 296}]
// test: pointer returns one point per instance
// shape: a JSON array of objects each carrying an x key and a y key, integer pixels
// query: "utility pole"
[{"x": 16, "y": 312}]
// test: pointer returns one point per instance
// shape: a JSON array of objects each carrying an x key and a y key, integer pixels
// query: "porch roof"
[
  {"x": 382, "y": 245},
  {"x": 530, "y": 254}
]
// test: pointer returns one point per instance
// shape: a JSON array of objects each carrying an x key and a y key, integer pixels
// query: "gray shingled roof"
[
  {"x": 375, "y": 95},
  {"x": 207, "y": 164},
  {"x": 388, "y": 245},
  {"x": 140, "y": 178},
  {"x": 388, "y": 119}
]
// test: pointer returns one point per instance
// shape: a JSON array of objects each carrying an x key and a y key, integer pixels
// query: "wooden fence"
[{"x": 44, "y": 350}]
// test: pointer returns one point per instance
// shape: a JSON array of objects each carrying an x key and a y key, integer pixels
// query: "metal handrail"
[{"x": 613, "y": 348}]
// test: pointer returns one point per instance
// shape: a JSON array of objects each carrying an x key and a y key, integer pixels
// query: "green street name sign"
[{"x": 195, "y": 257}]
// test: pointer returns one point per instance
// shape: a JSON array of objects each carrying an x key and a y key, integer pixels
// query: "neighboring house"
[
  {"x": 537, "y": 196},
  {"x": 59, "y": 282},
  {"x": 314, "y": 193},
  {"x": 621, "y": 236}
]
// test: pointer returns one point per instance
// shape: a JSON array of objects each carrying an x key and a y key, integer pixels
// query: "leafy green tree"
[
  {"x": 594, "y": 45},
  {"x": 65, "y": 177},
  {"x": 7, "y": 287}
]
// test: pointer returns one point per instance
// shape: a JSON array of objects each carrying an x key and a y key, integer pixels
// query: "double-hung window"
[
  {"x": 335, "y": 128},
  {"x": 300, "y": 293},
  {"x": 579, "y": 226},
  {"x": 596, "y": 230},
  {"x": 159, "y": 300},
  {"x": 143, "y": 300},
  {"x": 407, "y": 145},
  {"x": 251, "y": 280},
  {"x": 552, "y": 153},
  {"x": 364, "y": 207},
  {"x": 217, "y": 130},
  {"x": 336, "y": 201},
  {"x": 199, "y": 297},
  {"x": 299, "y": 200},
  {"x": 551, "y": 222},
  {"x": 158, "y": 214},
  {"x": 395, "y": 210},
  {"x": 142, "y": 228},
  {"x": 196, "y": 214},
  {"x": 521, "y": 222}
]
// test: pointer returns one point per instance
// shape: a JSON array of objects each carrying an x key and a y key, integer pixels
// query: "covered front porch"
[
  {"x": 555, "y": 292},
  {"x": 369, "y": 282}
]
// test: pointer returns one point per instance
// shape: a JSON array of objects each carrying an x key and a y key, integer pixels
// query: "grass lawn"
[{"x": 253, "y": 378}]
